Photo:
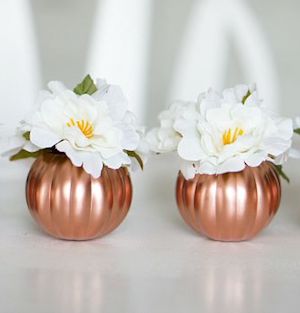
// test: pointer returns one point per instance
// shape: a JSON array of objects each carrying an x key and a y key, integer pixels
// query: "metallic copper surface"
[
  {"x": 231, "y": 206},
  {"x": 70, "y": 204}
]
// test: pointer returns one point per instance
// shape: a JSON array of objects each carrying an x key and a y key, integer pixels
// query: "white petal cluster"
[
  {"x": 12, "y": 140},
  {"x": 166, "y": 138},
  {"x": 222, "y": 133},
  {"x": 92, "y": 130}
]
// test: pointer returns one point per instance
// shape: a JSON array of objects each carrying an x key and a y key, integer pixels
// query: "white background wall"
[{"x": 64, "y": 31}]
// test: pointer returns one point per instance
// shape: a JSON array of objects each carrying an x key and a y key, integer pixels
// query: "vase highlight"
[
  {"x": 230, "y": 206},
  {"x": 69, "y": 203}
]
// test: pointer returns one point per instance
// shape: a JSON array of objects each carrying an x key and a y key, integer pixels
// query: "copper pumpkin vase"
[
  {"x": 231, "y": 206},
  {"x": 70, "y": 204}
]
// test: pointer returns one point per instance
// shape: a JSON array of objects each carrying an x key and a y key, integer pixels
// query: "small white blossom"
[
  {"x": 92, "y": 130},
  {"x": 166, "y": 137},
  {"x": 13, "y": 140},
  {"x": 224, "y": 133}
]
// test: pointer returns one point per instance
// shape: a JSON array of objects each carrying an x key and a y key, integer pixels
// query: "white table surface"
[{"x": 152, "y": 263}]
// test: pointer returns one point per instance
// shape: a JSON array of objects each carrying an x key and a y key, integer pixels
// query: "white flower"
[
  {"x": 166, "y": 138},
  {"x": 229, "y": 131},
  {"x": 13, "y": 140},
  {"x": 92, "y": 130},
  {"x": 141, "y": 151},
  {"x": 12, "y": 136}
]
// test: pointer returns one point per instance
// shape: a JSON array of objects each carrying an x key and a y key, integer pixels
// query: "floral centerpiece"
[
  {"x": 231, "y": 149},
  {"x": 84, "y": 140}
]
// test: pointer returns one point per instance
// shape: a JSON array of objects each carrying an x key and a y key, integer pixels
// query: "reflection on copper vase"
[
  {"x": 231, "y": 206},
  {"x": 70, "y": 204}
]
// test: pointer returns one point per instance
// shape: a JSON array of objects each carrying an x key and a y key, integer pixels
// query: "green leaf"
[
  {"x": 297, "y": 131},
  {"x": 27, "y": 135},
  {"x": 133, "y": 154},
  {"x": 23, "y": 154},
  {"x": 281, "y": 173},
  {"x": 246, "y": 96},
  {"x": 87, "y": 86}
]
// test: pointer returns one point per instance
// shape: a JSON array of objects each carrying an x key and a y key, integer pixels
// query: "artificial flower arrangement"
[
  {"x": 84, "y": 140},
  {"x": 231, "y": 150}
]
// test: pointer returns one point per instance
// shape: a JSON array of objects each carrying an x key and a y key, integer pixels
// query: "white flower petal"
[
  {"x": 115, "y": 100},
  {"x": 30, "y": 147},
  {"x": 187, "y": 169},
  {"x": 162, "y": 140},
  {"x": 152, "y": 139},
  {"x": 235, "y": 164},
  {"x": 219, "y": 118},
  {"x": 285, "y": 128},
  {"x": 130, "y": 119},
  {"x": 229, "y": 96},
  {"x": 209, "y": 101},
  {"x": 90, "y": 161},
  {"x": 92, "y": 164},
  {"x": 142, "y": 150},
  {"x": 253, "y": 100},
  {"x": 206, "y": 167},
  {"x": 101, "y": 85},
  {"x": 57, "y": 87},
  {"x": 185, "y": 127},
  {"x": 53, "y": 113},
  {"x": 189, "y": 149},
  {"x": 240, "y": 92},
  {"x": 248, "y": 117},
  {"x": 108, "y": 152},
  {"x": 117, "y": 161},
  {"x": 143, "y": 147},
  {"x": 256, "y": 159},
  {"x": 11, "y": 143},
  {"x": 7, "y": 145},
  {"x": 43, "y": 138},
  {"x": 72, "y": 154},
  {"x": 130, "y": 138},
  {"x": 276, "y": 146},
  {"x": 280, "y": 159}
]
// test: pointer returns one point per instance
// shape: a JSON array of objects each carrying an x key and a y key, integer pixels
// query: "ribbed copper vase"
[
  {"x": 70, "y": 204},
  {"x": 231, "y": 206}
]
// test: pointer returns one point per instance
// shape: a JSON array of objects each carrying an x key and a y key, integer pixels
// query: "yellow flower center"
[
  {"x": 85, "y": 127},
  {"x": 231, "y": 135}
]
